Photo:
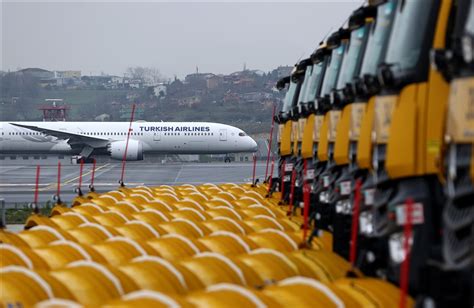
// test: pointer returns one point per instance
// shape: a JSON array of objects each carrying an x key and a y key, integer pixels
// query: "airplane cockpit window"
[{"x": 242, "y": 134}]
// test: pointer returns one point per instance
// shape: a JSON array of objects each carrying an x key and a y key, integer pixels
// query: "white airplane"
[{"x": 99, "y": 138}]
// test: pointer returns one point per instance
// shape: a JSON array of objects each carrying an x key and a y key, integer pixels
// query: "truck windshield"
[
  {"x": 353, "y": 57},
  {"x": 378, "y": 38},
  {"x": 470, "y": 20},
  {"x": 334, "y": 65},
  {"x": 304, "y": 86},
  {"x": 314, "y": 84},
  {"x": 288, "y": 101},
  {"x": 409, "y": 33}
]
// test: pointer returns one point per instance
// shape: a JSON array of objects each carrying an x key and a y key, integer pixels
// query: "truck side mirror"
[{"x": 440, "y": 60}]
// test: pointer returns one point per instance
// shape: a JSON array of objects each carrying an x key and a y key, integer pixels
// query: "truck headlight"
[
  {"x": 344, "y": 207},
  {"x": 366, "y": 223},
  {"x": 396, "y": 245},
  {"x": 369, "y": 196},
  {"x": 324, "y": 197}
]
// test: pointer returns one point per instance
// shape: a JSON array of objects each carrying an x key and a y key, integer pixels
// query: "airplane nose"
[{"x": 253, "y": 145}]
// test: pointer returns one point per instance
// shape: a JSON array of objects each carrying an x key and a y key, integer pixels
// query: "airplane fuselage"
[{"x": 154, "y": 137}]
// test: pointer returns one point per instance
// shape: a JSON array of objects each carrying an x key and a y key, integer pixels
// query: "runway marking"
[
  {"x": 55, "y": 185},
  {"x": 178, "y": 174},
  {"x": 97, "y": 174},
  {"x": 7, "y": 169},
  {"x": 87, "y": 173}
]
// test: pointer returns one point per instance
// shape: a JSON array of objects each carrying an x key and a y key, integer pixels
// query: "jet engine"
[{"x": 116, "y": 150}]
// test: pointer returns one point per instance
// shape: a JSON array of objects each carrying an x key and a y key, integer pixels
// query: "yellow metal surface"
[
  {"x": 435, "y": 110},
  {"x": 364, "y": 146},
  {"x": 422, "y": 121},
  {"x": 286, "y": 142},
  {"x": 295, "y": 136},
  {"x": 341, "y": 145},
  {"x": 402, "y": 141},
  {"x": 225, "y": 295},
  {"x": 280, "y": 132},
  {"x": 369, "y": 292},
  {"x": 307, "y": 143},
  {"x": 301, "y": 295},
  {"x": 439, "y": 40},
  {"x": 12, "y": 238},
  {"x": 324, "y": 139},
  {"x": 233, "y": 246}
]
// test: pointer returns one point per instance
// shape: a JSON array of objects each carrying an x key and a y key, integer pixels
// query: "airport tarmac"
[{"x": 17, "y": 182}]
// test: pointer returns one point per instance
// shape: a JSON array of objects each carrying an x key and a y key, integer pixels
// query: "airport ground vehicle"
[
  {"x": 308, "y": 119},
  {"x": 407, "y": 120},
  {"x": 336, "y": 45},
  {"x": 318, "y": 81},
  {"x": 371, "y": 251},
  {"x": 339, "y": 181},
  {"x": 455, "y": 62},
  {"x": 392, "y": 142},
  {"x": 287, "y": 127}
]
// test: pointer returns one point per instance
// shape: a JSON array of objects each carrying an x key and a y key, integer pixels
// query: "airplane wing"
[{"x": 72, "y": 138}]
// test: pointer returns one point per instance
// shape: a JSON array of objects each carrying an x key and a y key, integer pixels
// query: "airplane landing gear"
[{"x": 77, "y": 160}]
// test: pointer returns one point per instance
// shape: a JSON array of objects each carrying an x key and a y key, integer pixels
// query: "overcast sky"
[{"x": 175, "y": 37}]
